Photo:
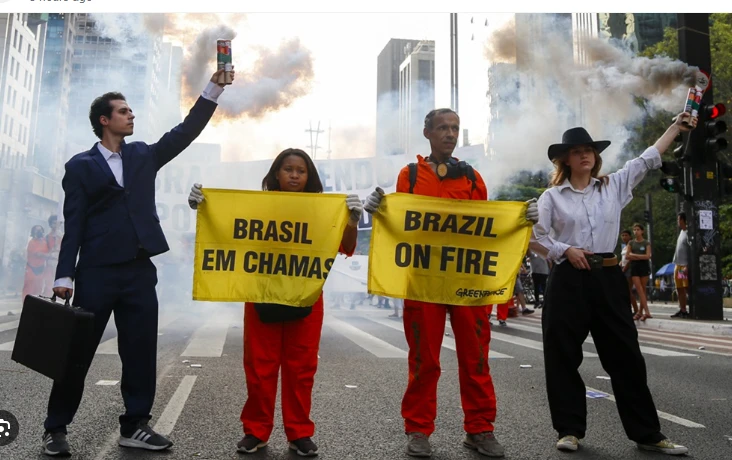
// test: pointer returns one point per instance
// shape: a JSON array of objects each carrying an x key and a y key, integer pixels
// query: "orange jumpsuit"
[
  {"x": 424, "y": 327},
  {"x": 292, "y": 346},
  {"x": 35, "y": 267}
]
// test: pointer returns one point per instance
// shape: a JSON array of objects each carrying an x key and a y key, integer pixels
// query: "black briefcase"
[{"x": 52, "y": 338}]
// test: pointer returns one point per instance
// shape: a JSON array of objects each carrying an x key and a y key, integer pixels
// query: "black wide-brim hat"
[{"x": 576, "y": 136}]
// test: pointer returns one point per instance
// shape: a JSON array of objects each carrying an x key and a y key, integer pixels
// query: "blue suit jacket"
[{"x": 105, "y": 224}]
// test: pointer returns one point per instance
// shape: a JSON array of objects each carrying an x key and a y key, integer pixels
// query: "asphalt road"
[{"x": 360, "y": 381}]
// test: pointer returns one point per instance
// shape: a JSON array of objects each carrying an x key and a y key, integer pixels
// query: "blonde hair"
[{"x": 562, "y": 171}]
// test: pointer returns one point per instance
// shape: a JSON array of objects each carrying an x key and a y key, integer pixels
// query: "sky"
[{"x": 342, "y": 92}]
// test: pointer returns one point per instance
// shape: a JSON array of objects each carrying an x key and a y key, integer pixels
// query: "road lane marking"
[
  {"x": 447, "y": 342},
  {"x": 663, "y": 415},
  {"x": 533, "y": 344},
  {"x": 208, "y": 340},
  {"x": 9, "y": 326},
  {"x": 644, "y": 349},
  {"x": 109, "y": 347},
  {"x": 368, "y": 342},
  {"x": 169, "y": 417}
]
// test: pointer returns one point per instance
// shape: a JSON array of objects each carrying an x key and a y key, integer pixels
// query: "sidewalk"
[{"x": 662, "y": 321}]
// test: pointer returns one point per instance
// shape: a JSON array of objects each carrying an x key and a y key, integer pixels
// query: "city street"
[{"x": 358, "y": 390}]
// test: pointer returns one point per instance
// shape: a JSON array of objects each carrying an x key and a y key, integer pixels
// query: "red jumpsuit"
[
  {"x": 35, "y": 267},
  {"x": 424, "y": 327},
  {"x": 292, "y": 346}
]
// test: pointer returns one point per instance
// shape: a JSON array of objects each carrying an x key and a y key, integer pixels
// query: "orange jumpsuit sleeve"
[{"x": 403, "y": 181}]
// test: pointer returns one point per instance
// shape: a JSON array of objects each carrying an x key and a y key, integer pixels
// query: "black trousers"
[
  {"x": 128, "y": 290},
  {"x": 582, "y": 301},
  {"x": 539, "y": 286}
]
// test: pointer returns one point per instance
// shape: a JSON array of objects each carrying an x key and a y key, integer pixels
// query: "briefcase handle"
[{"x": 53, "y": 299}]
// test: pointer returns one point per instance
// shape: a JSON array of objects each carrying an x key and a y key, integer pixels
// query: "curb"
[{"x": 720, "y": 328}]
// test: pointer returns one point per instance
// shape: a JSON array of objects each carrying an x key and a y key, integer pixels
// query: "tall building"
[
  {"x": 461, "y": 77},
  {"x": 536, "y": 31},
  {"x": 21, "y": 40},
  {"x": 387, "y": 95},
  {"x": 128, "y": 64},
  {"x": 27, "y": 197},
  {"x": 51, "y": 148},
  {"x": 416, "y": 95}
]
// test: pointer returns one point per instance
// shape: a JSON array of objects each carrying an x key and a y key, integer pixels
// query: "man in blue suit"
[{"x": 112, "y": 225}]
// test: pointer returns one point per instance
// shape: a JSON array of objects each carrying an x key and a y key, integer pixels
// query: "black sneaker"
[
  {"x": 527, "y": 311},
  {"x": 144, "y": 438},
  {"x": 250, "y": 444},
  {"x": 680, "y": 314},
  {"x": 305, "y": 447},
  {"x": 55, "y": 445}
]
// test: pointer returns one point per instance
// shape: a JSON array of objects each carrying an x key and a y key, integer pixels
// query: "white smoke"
[
  {"x": 541, "y": 91},
  {"x": 275, "y": 81}
]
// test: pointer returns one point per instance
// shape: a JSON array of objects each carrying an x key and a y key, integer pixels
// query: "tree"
[{"x": 523, "y": 186}]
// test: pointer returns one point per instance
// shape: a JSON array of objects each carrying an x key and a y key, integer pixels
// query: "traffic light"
[
  {"x": 714, "y": 128},
  {"x": 725, "y": 179},
  {"x": 672, "y": 183}
]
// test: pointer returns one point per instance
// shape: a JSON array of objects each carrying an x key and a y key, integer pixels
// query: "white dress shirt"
[
  {"x": 114, "y": 160},
  {"x": 589, "y": 219}
]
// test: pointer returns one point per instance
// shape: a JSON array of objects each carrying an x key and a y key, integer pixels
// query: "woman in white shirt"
[{"x": 579, "y": 219}]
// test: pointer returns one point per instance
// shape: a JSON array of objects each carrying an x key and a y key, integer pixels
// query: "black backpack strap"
[
  {"x": 412, "y": 176},
  {"x": 470, "y": 174}
]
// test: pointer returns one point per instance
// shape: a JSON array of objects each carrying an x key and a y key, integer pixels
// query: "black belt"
[{"x": 602, "y": 259}]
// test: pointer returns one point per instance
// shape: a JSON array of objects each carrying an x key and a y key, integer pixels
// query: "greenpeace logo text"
[{"x": 477, "y": 293}]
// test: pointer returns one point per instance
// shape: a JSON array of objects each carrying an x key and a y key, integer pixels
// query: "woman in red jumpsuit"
[{"x": 291, "y": 345}]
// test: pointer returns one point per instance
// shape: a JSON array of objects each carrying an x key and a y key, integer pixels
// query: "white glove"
[
  {"x": 532, "y": 212},
  {"x": 374, "y": 200},
  {"x": 356, "y": 207},
  {"x": 196, "y": 196}
]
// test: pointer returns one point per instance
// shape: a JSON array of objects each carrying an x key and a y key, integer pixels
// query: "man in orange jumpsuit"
[{"x": 441, "y": 175}]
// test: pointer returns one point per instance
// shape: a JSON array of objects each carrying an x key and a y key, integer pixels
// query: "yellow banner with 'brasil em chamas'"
[
  {"x": 453, "y": 252},
  {"x": 268, "y": 247}
]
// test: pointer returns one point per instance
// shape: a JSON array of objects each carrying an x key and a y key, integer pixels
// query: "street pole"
[
  {"x": 702, "y": 210},
  {"x": 454, "y": 101},
  {"x": 649, "y": 230}
]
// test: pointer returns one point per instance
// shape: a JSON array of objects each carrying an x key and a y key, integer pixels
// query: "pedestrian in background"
[
  {"x": 539, "y": 274},
  {"x": 639, "y": 256},
  {"x": 36, "y": 256},
  {"x": 625, "y": 237},
  {"x": 681, "y": 264}
]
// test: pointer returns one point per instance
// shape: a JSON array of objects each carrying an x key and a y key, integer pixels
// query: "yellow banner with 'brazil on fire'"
[{"x": 444, "y": 251}]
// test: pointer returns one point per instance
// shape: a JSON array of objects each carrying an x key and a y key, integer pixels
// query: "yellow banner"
[
  {"x": 269, "y": 247},
  {"x": 453, "y": 252}
]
